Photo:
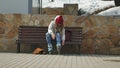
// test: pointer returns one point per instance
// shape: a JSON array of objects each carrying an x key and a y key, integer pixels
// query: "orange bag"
[{"x": 38, "y": 50}]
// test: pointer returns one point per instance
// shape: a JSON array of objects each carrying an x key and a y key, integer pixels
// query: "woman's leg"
[
  {"x": 48, "y": 38},
  {"x": 58, "y": 41}
]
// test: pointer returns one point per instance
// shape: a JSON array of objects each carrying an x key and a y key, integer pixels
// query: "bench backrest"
[
  {"x": 32, "y": 34},
  {"x": 76, "y": 35},
  {"x": 36, "y": 34}
]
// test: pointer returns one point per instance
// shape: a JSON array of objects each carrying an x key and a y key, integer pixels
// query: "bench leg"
[
  {"x": 18, "y": 47},
  {"x": 79, "y": 49}
]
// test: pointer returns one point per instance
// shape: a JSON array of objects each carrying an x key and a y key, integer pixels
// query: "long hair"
[{"x": 59, "y": 27}]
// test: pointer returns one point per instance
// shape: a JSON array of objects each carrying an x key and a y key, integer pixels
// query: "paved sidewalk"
[{"x": 24, "y": 60}]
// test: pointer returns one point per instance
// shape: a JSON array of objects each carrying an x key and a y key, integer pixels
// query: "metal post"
[
  {"x": 29, "y": 6},
  {"x": 39, "y": 6},
  {"x": 52, "y": 0}
]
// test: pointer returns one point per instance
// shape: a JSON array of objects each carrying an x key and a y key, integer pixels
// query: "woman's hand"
[
  {"x": 63, "y": 43},
  {"x": 53, "y": 36}
]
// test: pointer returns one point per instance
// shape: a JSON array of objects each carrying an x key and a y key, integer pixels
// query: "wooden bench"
[{"x": 36, "y": 35}]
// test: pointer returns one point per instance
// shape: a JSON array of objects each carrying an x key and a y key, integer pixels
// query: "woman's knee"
[{"x": 47, "y": 34}]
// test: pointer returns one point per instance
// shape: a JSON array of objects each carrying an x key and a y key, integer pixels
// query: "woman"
[{"x": 56, "y": 31}]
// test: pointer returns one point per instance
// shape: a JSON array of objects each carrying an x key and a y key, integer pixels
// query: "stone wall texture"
[{"x": 101, "y": 35}]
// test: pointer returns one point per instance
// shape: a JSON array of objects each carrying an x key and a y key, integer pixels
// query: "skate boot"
[{"x": 58, "y": 49}]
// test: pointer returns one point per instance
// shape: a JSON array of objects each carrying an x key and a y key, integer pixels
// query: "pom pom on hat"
[{"x": 59, "y": 20}]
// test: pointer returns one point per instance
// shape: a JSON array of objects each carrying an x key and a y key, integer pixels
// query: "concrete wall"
[
  {"x": 48, "y": 11},
  {"x": 16, "y": 6},
  {"x": 101, "y": 35}
]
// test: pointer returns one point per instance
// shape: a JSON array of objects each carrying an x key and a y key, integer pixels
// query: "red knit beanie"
[{"x": 59, "y": 20}]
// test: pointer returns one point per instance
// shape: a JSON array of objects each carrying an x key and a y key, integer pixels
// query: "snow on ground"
[
  {"x": 88, "y": 6},
  {"x": 113, "y": 11},
  {"x": 91, "y": 7}
]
